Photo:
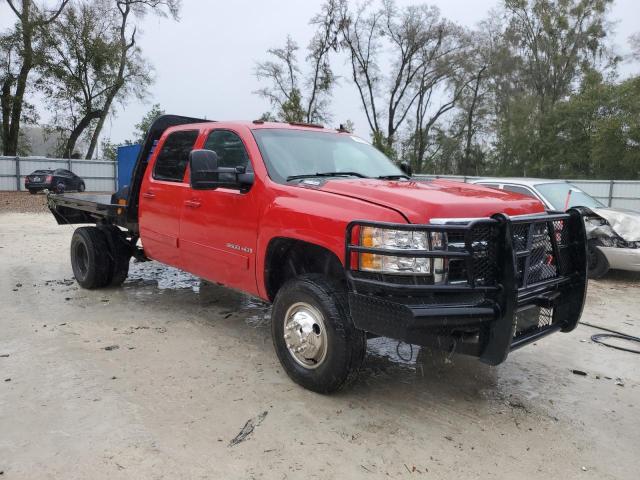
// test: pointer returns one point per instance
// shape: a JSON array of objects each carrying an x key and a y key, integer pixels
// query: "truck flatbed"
[{"x": 84, "y": 208}]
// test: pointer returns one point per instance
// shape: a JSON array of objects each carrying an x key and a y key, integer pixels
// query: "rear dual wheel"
[{"x": 99, "y": 257}]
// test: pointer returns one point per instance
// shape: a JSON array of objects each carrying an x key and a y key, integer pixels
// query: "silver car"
[{"x": 613, "y": 233}]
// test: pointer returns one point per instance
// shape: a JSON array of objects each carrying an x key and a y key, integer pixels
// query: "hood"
[
  {"x": 422, "y": 201},
  {"x": 626, "y": 223}
]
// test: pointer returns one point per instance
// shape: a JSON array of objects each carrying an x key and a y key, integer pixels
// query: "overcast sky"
[{"x": 205, "y": 64}]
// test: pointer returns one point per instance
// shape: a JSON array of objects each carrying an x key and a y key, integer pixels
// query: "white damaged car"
[{"x": 613, "y": 233}]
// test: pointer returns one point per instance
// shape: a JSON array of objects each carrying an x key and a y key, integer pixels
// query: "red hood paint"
[{"x": 422, "y": 201}]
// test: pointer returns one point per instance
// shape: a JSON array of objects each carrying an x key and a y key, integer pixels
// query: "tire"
[
  {"x": 60, "y": 188},
  {"x": 119, "y": 253},
  {"x": 598, "y": 265},
  {"x": 309, "y": 297},
  {"x": 81, "y": 187},
  {"x": 89, "y": 258},
  {"x": 32, "y": 191}
]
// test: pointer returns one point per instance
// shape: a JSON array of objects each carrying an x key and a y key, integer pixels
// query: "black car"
[{"x": 59, "y": 181}]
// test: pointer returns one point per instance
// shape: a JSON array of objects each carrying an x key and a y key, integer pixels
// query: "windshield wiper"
[
  {"x": 393, "y": 177},
  {"x": 326, "y": 174}
]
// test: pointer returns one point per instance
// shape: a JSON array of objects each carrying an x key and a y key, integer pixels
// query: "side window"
[
  {"x": 173, "y": 158},
  {"x": 520, "y": 190},
  {"x": 491, "y": 185},
  {"x": 229, "y": 147}
]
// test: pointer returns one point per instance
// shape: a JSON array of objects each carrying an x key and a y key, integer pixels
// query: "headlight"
[{"x": 384, "y": 238}]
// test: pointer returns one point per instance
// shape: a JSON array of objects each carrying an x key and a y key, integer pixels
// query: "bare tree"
[
  {"x": 441, "y": 83},
  {"x": 283, "y": 74},
  {"x": 472, "y": 125},
  {"x": 634, "y": 41},
  {"x": 129, "y": 10},
  {"x": 10, "y": 52},
  {"x": 361, "y": 35},
  {"x": 307, "y": 100},
  {"x": 81, "y": 67},
  {"x": 420, "y": 45},
  {"x": 30, "y": 18}
]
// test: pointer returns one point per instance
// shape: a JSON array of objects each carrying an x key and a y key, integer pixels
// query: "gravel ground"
[
  {"x": 157, "y": 378},
  {"x": 23, "y": 202}
]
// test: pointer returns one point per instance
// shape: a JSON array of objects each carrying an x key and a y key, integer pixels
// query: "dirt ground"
[
  {"x": 23, "y": 202},
  {"x": 155, "y": 380}
]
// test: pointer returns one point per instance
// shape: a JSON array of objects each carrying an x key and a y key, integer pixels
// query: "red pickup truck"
[{"x": 343, "y": 242}]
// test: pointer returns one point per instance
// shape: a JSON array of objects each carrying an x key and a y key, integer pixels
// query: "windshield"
[
  {"x": 557, "y": 194},
  {"x": 289, "y": 153}
]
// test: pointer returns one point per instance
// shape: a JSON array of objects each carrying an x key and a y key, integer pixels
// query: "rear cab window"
[{"x": 173, "y": 158}]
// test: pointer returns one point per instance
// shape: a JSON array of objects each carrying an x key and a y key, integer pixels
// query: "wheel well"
[{"x": 287, "y": 258}]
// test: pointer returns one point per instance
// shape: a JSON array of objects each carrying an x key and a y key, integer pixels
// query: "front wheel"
[
  {"x": 32, "y": 191},
  {"x": 314, "y": 336},
  {"x": 81, "y": 187},
  {"x": 598, "y": 266}
]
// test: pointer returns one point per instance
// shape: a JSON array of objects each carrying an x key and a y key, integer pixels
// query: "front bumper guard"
[{"x": 506, "y": 297}]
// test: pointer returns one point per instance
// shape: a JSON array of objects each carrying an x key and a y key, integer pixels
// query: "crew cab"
[{"x": 344, "y": 243}]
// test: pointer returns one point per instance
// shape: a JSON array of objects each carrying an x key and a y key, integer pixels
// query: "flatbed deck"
[{"x": 84, "y": 208}]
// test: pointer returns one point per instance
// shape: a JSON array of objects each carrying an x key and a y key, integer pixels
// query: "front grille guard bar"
[
  {"x": 505, "y": 293},
  {"x": 466, "y": 255}
]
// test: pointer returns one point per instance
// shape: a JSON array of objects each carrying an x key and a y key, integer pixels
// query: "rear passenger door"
[{"x": 162, "y": 194}]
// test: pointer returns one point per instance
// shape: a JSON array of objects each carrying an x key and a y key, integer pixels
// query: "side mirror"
[
  {"x": 207, "y": 175},
  {"x": 406, "y": 169}
]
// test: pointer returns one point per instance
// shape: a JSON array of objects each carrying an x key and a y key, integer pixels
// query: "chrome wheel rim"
[{"x": 305, "y": 335}]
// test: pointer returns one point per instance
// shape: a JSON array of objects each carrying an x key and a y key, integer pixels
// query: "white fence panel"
[
  {"x": 8, "y": 167},
  {"x": 598, "y": 189},
  {"x": 93, "y": 169},
  {"x": 100, "y": 185},
  {"x": 99, "y": 176},
  {"x": 7, "y": 183}
]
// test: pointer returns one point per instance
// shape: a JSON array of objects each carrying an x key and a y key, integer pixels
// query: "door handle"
[
  {"x": 192, "y": 203},
  {"x": 149, "y": 194}
]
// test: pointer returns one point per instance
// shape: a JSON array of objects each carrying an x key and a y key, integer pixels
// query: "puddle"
[
  {"x": 165, "y": 277},
  {"x": 256, "y": 313},
  {"x": 387, "y": 361},
  {"x": 382, "y": 353},
  {"x": 394, "y": 351}
]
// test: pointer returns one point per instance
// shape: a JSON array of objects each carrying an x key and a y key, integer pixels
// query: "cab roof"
[{"x": 259, "y": 124}]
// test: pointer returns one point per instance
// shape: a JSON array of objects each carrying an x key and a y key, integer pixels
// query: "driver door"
[{"x": 218, "y": 228}]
